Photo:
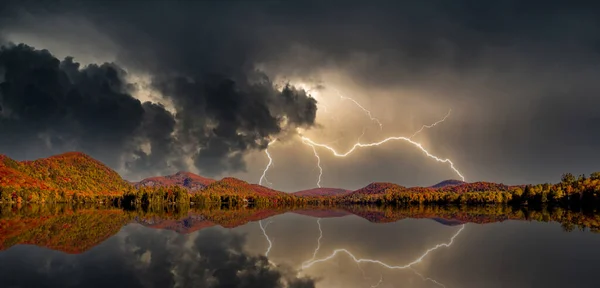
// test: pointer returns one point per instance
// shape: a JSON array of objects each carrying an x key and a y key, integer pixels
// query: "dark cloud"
[
  {"x": 152, "y": 258},
  {"x": 224, "y": 118},
  {"x": 50, "y": 105}
]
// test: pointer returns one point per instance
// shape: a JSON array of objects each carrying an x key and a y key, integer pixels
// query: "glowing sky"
[{"x": 520, "y": 80}]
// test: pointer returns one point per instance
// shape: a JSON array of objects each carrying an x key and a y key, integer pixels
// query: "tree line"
[{"x": 571, "y": 190}]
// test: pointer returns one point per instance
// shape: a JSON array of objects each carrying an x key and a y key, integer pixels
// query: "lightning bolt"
[
  {"x": 363, "y": 260},
  {"x": 312, "y": 144},
  {"x": 431, "y": 125},
  {"x": 361, "y": 135},
  {"x": 361, "y": 107},
  {"x": 266, "y": 236},
  {"x": 378, "y": 283},
  {"x": 318, "y": 164},
  {"x": 361, "y": 145},
  {"x": 264, "y": 175},
  {"x": 427, "y": 278}
]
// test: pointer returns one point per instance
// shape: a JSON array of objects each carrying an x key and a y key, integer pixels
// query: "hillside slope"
[
  {"x": 187, "y": 180},
  {"x": 69, "y": 172},
  {"x": 234, "y": 186},
  {"x": 446, "y": 183},
  {"x": 377, "y": 188}
]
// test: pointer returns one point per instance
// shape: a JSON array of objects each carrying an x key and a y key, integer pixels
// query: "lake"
[{"x": 298, "y": 247}]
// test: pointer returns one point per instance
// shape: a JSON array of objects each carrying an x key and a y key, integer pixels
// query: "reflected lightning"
[
  {"x": 310, "y": 262},
  {"x": 318, "y": 243},
  {"x": 362, "y": 260},
  {"x": 263, "y": 228}
]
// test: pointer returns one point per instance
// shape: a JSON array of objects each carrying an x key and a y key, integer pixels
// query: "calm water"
[{"x": 194, "y": 252}]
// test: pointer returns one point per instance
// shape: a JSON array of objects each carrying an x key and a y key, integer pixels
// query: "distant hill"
[
  {"x": 447, "y": 183},
  {"x": 188, "y": 180},
  {"x": 230, "y": 185},
  {"x": 375, "y": 189},
  {"x": 322, "y": 192},
  {"x": 474, "y": 187},
  {"x": 69, "y": 172}
]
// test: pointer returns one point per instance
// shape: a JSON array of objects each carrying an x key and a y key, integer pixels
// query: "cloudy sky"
[{"x": 158, "y": 87}]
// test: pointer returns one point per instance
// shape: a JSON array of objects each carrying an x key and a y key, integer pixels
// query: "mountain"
[
  {"x": 187, "y": 180},
  {"x": 322, "y": 192},
  {"x": 447, "y": 183},
  {"x": 69, "y": 172}
]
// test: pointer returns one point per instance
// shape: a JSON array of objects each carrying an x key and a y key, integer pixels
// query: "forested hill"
[
  {"x": 67, "y": 173},
  {"x": 71, "y": 171}
]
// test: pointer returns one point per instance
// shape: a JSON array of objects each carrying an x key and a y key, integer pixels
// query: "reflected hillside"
[
  {"x": 75, "y": 229},
  {"x": 63, "y": 228}
]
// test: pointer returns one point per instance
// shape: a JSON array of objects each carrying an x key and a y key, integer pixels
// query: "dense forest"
[{"x": 77, "y": 178}]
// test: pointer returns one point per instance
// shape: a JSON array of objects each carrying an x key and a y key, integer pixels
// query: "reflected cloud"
[{"x": 213, "y": 258}]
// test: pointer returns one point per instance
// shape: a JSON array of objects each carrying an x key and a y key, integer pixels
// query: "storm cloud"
[
  {"x": 50, "y": 105},
  {"x": 519, "y": 77}
]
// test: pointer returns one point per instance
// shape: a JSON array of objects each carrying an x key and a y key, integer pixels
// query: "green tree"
[{"x": 567, "y": 179}]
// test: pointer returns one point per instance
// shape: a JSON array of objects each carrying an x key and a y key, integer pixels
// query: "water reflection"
[{"x": 289, "y": 247}]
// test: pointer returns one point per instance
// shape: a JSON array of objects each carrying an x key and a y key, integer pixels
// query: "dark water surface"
[{"x": 113, "y": 248}]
